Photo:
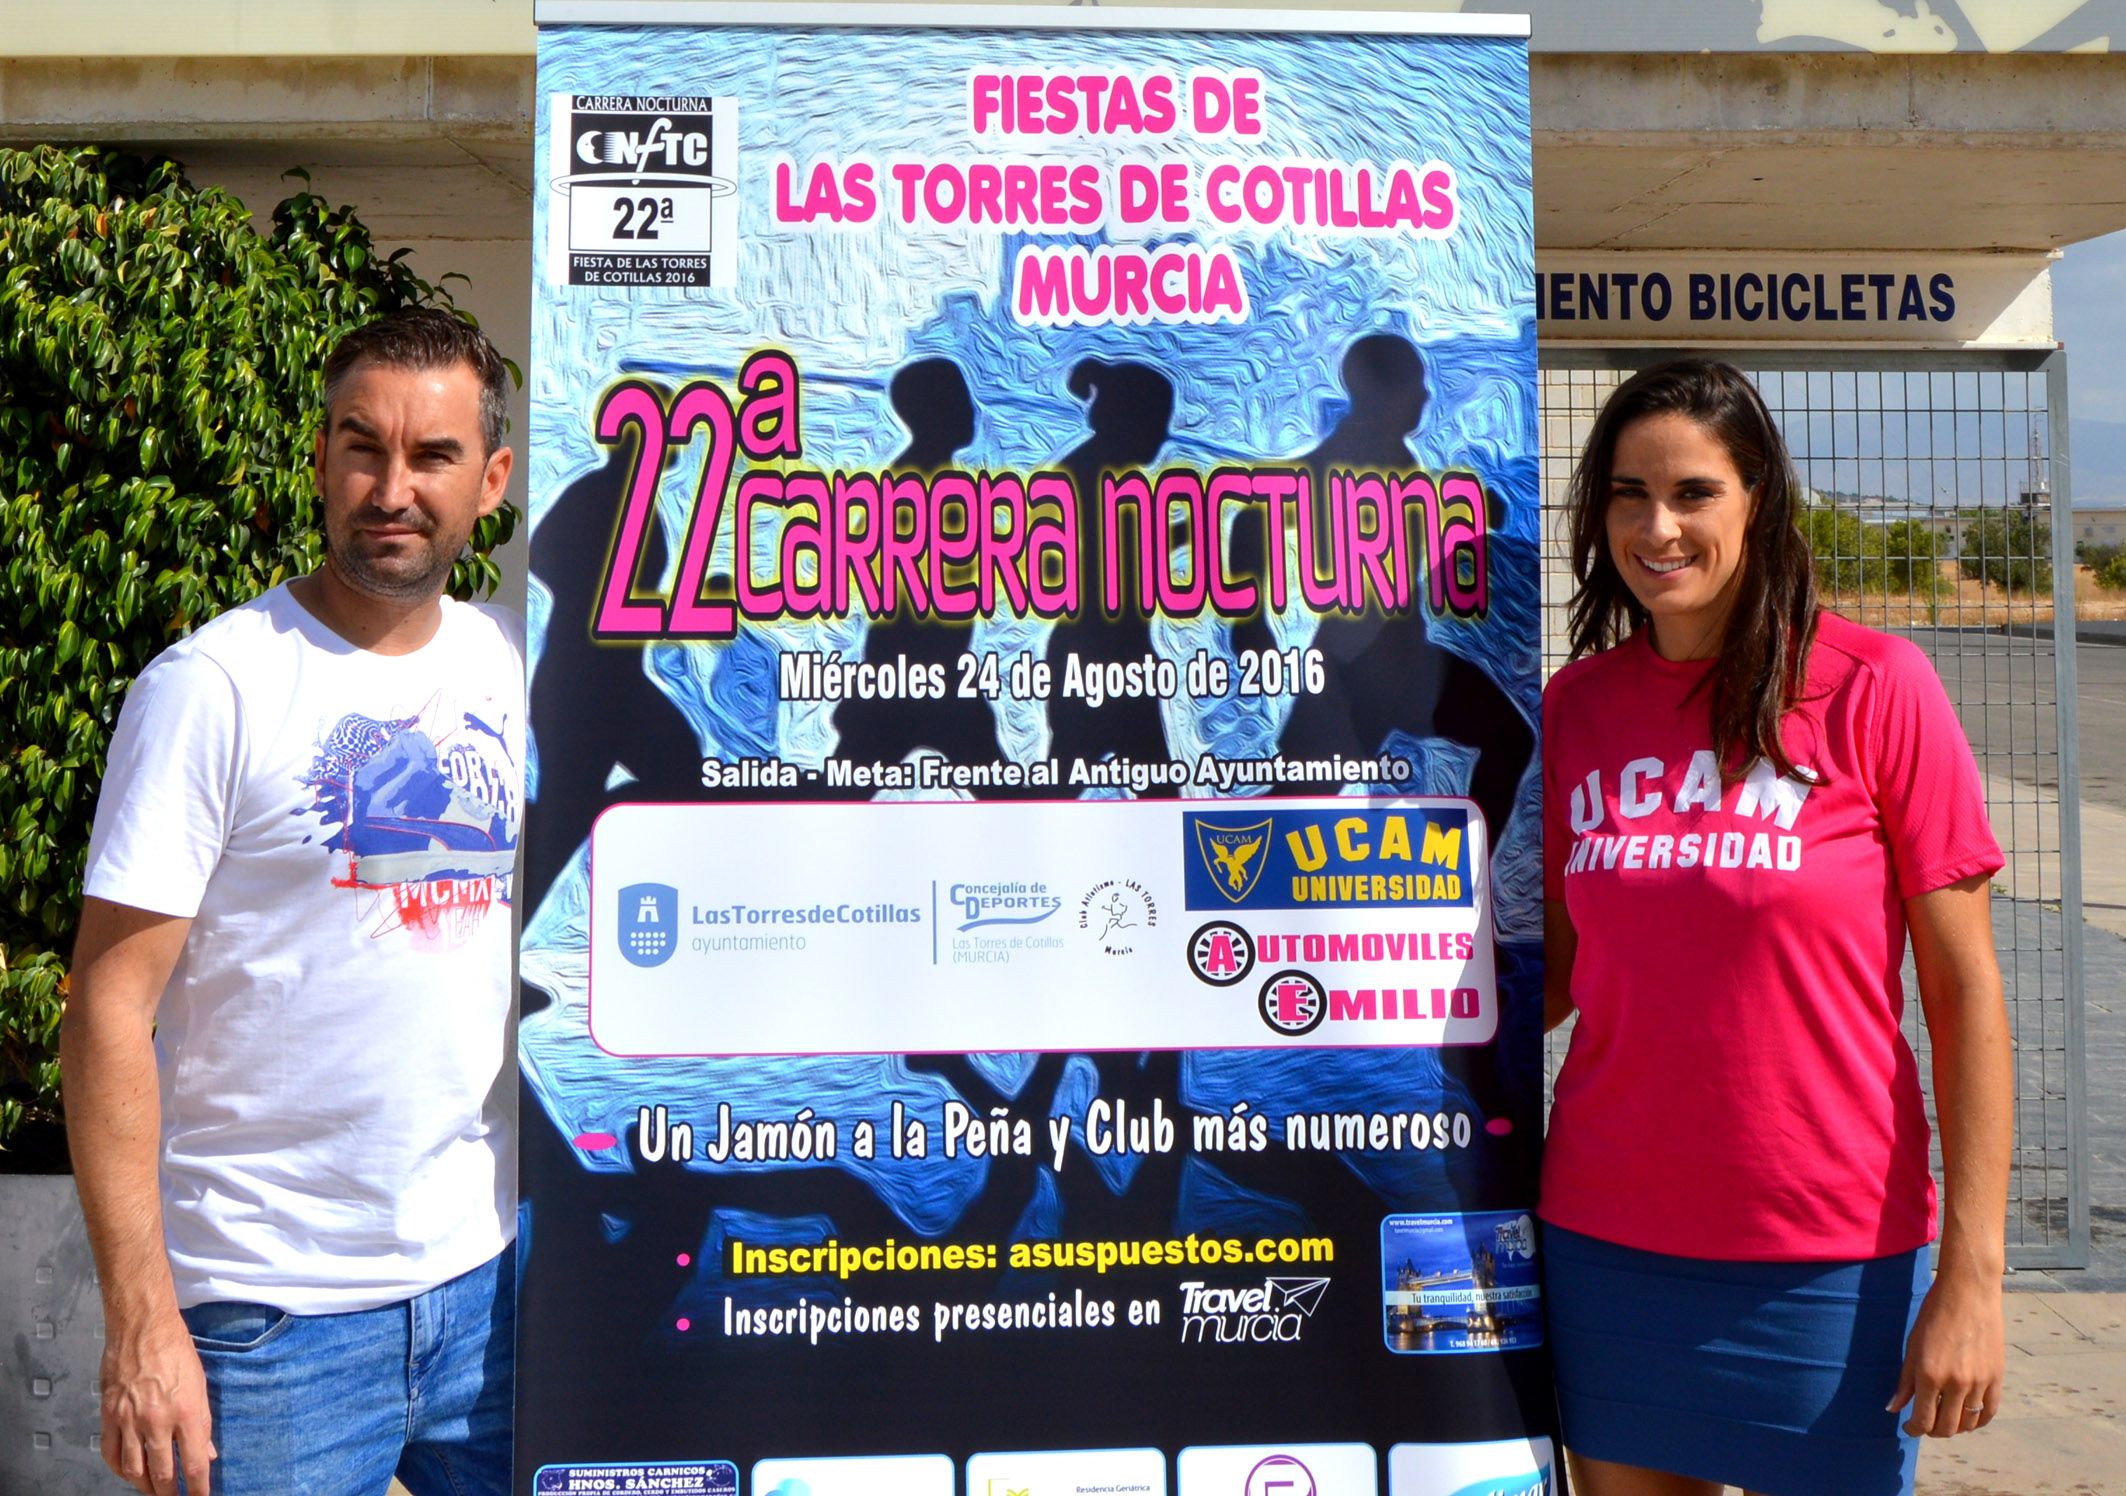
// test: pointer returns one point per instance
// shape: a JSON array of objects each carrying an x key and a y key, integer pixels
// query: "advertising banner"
[{"x": 1032, "y": 944}]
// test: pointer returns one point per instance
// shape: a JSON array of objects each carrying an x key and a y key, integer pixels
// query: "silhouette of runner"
[
  {"x": 1117, "y": 911},
  {"x": 1130, "y": 407},
  {"x": 1383, "y": 673},
  {"x": 592, "y": 706},
  {"x": 930, "y": 397}
]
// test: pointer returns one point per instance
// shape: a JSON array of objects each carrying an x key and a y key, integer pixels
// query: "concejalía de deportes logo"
[
  {"x": 1278, "y": 1310},
  {"x": 1005, "y": 903}
]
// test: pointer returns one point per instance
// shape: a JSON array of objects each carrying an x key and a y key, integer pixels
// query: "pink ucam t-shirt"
[{"x": 1737, "y": 1085}]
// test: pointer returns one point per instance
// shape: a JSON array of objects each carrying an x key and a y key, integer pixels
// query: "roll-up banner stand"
[{"x": 1032, "y": 913}]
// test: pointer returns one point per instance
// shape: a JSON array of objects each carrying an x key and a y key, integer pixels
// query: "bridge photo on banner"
[{"x": 1032, "y": 945}]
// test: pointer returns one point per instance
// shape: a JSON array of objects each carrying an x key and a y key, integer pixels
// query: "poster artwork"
[{"x": 1032, "y": 956}]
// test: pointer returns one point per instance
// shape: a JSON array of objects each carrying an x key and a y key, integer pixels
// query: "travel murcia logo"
[{"x": 1277, "y": 1311}]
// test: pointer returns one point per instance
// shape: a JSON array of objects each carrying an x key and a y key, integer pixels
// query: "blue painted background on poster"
[{"x": 860, "y": 304}]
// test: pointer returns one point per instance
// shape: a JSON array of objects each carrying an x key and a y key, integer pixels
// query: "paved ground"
[
  {"x": 2004, "y": 687},
  {"x": 2100, "y": 671},
  {"x": 2104, "y": 1035},
  {"x": 2018, "y": 740},
  {"x": 2062, "y": 1427}
]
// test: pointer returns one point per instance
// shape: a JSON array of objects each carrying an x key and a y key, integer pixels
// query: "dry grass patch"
[{"x": 1961, "y": 602}]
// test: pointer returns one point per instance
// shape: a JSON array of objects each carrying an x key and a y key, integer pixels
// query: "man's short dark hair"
[{"x": 425, "y": 338}]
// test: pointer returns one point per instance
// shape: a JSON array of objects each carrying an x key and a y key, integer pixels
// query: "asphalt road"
[
  {"x": 2004, "y": 691},
  {"x": 2100, "y": 671}
]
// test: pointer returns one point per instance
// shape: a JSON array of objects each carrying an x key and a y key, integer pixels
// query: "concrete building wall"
[{"x": 2100, "y": 526}]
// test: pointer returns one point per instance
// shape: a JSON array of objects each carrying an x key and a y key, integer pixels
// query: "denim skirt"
[{"x": 1766, "y": 1375}]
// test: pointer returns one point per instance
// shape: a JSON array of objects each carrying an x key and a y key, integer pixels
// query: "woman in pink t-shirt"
[{"x": 1749, "y": 805}]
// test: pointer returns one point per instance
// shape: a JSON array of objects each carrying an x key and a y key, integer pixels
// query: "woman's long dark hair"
[{"x": 1765, "y": 648}]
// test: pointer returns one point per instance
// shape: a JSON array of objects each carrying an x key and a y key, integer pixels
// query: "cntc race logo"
[
  {"x": 1293, "y": 1003},
  {"x": 668, "y": 143},
  {"x": 1276, "y": 1311}
]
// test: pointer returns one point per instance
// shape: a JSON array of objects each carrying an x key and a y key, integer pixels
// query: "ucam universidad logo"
[
  {"x": 1232, "y": 855},
  {"x": 1402, "y": 853}
]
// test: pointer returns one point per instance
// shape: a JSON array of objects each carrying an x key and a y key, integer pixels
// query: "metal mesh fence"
[{"x": 1931, "y": 495}]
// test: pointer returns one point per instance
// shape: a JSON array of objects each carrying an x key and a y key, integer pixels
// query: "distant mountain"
[{"x": 2099, "y": 451}]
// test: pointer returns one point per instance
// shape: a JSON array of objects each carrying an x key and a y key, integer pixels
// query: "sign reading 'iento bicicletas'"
[{"x": 1748, "y": 296}]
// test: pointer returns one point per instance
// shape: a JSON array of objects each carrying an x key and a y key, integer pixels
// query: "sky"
[{"x": 2089, "y": 315}]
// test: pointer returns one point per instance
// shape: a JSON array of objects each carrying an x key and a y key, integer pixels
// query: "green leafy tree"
[
  {"x": 2107, "y": 563},
  {"x": 1856, "y": 558},
  {"x": 1843, "y": 547},
  {"x": 1912, "y": 553},
  {"x": 161, "y": 378},
  {"x": 2004, "y": 547}
]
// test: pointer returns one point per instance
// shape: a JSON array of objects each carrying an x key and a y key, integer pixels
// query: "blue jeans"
[{"x": 337, "y": 1404}]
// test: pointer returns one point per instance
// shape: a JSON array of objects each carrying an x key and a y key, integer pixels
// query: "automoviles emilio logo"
[
  {"x": 1006, "y": 903},
  {"x": 1278, "y": 1310},
  {"x": 1414, "y": 856},
  {"x": 1292, "y": 1002},
  {"x": 647, "y": 923}
]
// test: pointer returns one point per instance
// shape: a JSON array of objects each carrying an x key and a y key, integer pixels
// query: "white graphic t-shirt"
[{"x": 337, "y": 1076}]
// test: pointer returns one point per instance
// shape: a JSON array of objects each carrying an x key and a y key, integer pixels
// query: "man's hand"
[
  {"x": 1954, "y": 1359},
  {"x": 154, "y": 1391},
  {"x": 154, "y": 1398}
]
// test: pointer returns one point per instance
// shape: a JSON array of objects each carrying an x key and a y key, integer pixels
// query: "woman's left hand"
[{"x": 1955, "y": 1357}]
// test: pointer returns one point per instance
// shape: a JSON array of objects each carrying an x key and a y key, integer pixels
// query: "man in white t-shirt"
[{"x": 287, "y": 1054}]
